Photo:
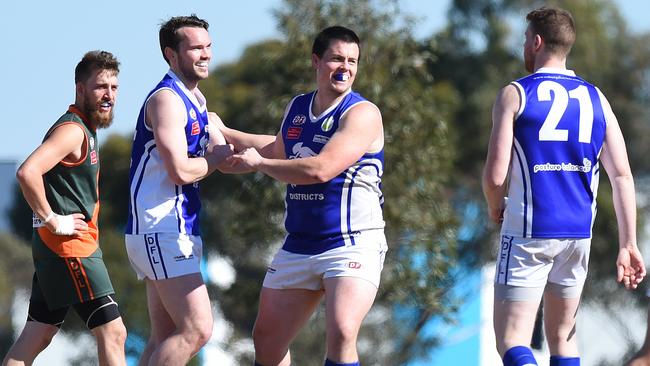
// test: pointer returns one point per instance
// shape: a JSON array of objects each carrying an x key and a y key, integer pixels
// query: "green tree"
[{"x": 251, "y": 94}]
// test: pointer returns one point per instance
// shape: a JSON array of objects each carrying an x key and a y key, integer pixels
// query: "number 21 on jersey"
[{"x": 549, "y": 130}]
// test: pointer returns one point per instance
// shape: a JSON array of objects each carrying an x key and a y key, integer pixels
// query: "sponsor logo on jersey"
[
  {"x": 196, "y": 129},
  {"x": 91, "y": 142},
  {"x": 564, "y": 167},
  {"x": 327, "y": 124},
  {"x": 93, "y": 157},
  {"x": 293, "y": 133},
  {"x": 321, "y": 139},
  {"x": 354, "y": 265},
  {"x": 299, "y": 119},
  {"x": 192, "y": 113},
  {"x": 271, "y": 269}
]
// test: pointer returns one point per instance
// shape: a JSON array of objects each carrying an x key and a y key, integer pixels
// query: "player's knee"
[
  {"x": 204, "y": 334},
  {"x": 118, "y": 333},
  {"x": 261, "y": 333},
  {"x": 45, "y": 338},
  {"x": 198, "y": 335},
  {"x": 343, "y": 334},
  {"x": 112, "y": 334}
]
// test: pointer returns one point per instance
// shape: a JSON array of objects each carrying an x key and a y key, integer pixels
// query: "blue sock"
[
  {"x": 565, "y": 361},
  {"x": 519, "y": 356},
  {"x": 332, "y": 363}
]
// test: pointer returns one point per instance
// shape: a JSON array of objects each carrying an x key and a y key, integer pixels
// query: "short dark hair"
[
  {"x": 337, "y": 32},
  {"x": 92, "y": 61},
  {"x": 168, "y": 35},
  {"x": 555, "y": 26}
]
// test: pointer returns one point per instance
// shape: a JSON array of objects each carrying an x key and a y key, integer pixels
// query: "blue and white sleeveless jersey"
[
  {"x": 157, "y": 204},
  {"x": 323, "y": 216},
  {"x": 558, "y": 136}
]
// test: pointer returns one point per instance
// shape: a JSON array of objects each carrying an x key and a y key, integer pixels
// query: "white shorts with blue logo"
[
  {"x": 159, "y": 256},
  {"x": 363, "y": 260}
]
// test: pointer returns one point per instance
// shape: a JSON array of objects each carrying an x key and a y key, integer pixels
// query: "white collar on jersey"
[
  {"x": 197, "y": 99},
  {"x": 329, "y": 109},
  {"x": 555, "y": 70}
]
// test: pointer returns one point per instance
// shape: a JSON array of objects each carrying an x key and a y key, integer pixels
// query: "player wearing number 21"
[{"x": 550, "y": 129}]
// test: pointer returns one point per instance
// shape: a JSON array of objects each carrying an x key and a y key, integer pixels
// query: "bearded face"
[
  {"x": 98, "y": 96},
  {"x": 96, "y": 112}
]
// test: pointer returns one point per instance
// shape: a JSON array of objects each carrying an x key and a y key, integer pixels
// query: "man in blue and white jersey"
[
  {"x": 173, "y": 148},
  {"x": 550, "y": 130},
  {"x": 329, "y": 151}
]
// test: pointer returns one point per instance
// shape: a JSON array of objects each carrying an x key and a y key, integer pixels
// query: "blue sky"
[{"x": 43, "y": 41}]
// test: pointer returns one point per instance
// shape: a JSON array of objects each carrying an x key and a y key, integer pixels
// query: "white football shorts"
[
  {"x": 534, "y": 263},
  {"x": 158, "y": 256},
  {"x": 363, "y": 260}
]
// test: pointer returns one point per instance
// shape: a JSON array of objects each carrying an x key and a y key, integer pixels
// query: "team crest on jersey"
[
  {"x": 299, "y": 119},
  {"x": 91, "y": 142},
  {"x": 196, "y": 129},
  {"x": 192, "y": 113},
  {"x": 301, "y": 151},
  {"x": 293, "y": 133},
  {"x": 327, "y": 124}
]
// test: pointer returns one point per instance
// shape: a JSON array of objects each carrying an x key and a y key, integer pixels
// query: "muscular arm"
[
  {"x": 615, "y": 161},
  {"x": 360, "y": 131},
  {"x": 497, "y": 163},
  {"x": 167, "y": 117},
  {"x": 65, "y": 142}
]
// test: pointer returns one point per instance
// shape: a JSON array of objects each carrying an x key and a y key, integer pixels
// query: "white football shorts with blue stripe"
[
  {"x": 524, "y": 262},
  {"x": 158, "y": 256}
]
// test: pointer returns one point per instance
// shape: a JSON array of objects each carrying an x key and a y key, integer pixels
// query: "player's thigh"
[
  {"x": 347, "y": 301},
  {"x": 560, "y": 310},
  {"x": 186, "y": 300},
  {"x": 515, "y": 309},
  {"x": 282, "y": 312},
  {"x": 39, "y": 311},
  {"x": 162, "y": 325},
  {"x": 97, "y": 312}
]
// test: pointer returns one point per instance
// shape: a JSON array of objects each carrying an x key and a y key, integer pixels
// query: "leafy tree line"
[{"x": 435, "y": 95}]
